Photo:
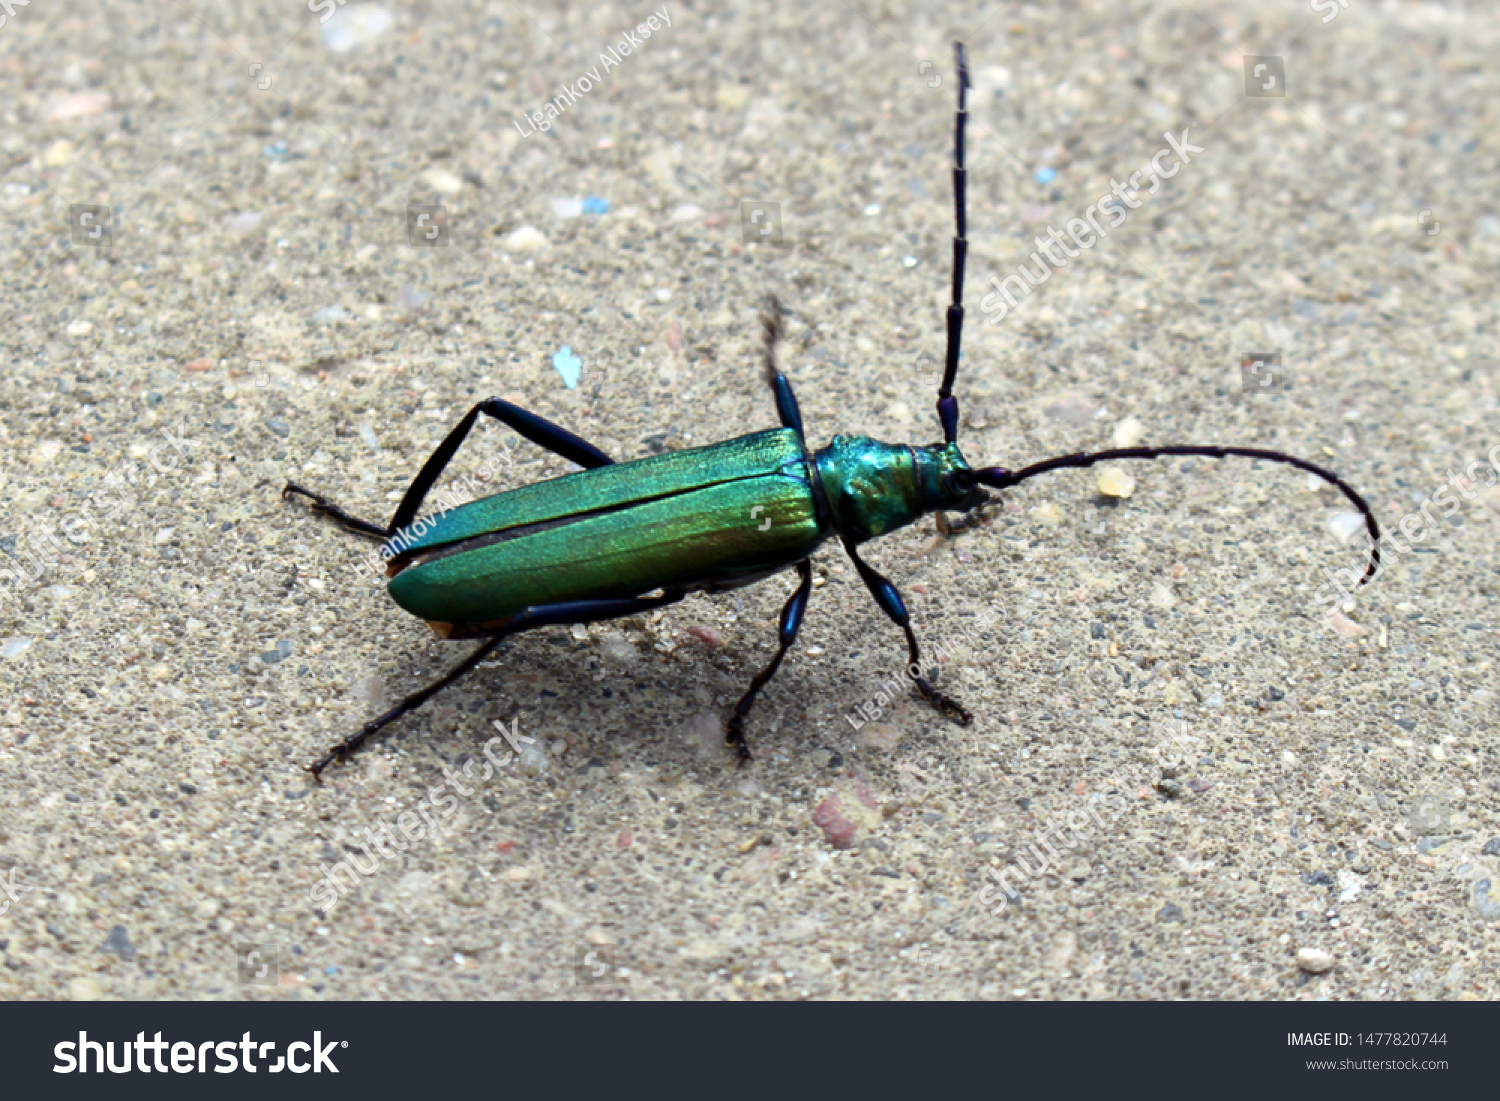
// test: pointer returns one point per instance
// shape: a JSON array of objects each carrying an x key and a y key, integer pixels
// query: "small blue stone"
[
  {"x": 568, "y": 366},
  {"x": 1046, "y": 174},
  {"x": 595, "y": 205}
]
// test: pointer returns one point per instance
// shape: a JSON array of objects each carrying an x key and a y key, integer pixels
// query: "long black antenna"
[
  {"x": 947, "y": 405},
  {"x": 1000, "y": 478}
]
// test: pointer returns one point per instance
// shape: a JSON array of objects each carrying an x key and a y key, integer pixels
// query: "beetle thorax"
[{"x": 873, "y": 488}]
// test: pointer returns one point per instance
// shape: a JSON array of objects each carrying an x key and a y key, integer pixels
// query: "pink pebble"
[
  {"x": 708, "y": 636},
  {"x": 836, "y": 828}
]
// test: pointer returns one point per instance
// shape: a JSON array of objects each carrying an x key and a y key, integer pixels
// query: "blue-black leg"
[
  {"x": 538, "y": 430},
  {"x": 786, "y": 401},
  {"x": 890, "y": 602},
  {"x": 791, "y": 623},
  {"x": 543, "y": 615},
  {"x": 323, "y": 506}
]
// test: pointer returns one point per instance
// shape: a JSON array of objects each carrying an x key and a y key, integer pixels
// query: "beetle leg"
[
  {"x": 539, "y": 430},
  {"x": 349, "y": 745},
  {"x": 890, "y": 602},
  {"x": 543, "y": 615},
  {"x": 323, "y": 505},
  {"x": 791, "y": 623},
  {"x": 967, "y": 521}
]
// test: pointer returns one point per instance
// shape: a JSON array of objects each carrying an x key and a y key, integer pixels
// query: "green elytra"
[
  {"x": 706, "y": 519},
  {"x": 620, "y": 539}
]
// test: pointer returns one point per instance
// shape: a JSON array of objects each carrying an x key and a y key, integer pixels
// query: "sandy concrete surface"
[{"x": 250, "y": 300}]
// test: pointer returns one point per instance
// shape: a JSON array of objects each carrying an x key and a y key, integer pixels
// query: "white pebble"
[
  {"x": 445, "y": 183},
  {"x": 1345, "y": 626},
  {"x": 1345, "y": 524},
  {"x": 356, "y": 25},
  {"x": 1128, "y": 432},
  {"x": 1315, "y": 961},
  {"x": 1114, "y": 482},
  {"x": 525, "y": 239}
]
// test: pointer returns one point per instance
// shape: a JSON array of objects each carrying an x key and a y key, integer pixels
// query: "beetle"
[{"x": 618, "y": 539}]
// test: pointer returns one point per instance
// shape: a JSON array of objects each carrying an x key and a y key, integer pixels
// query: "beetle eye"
[{"x": 960, "y": 482}]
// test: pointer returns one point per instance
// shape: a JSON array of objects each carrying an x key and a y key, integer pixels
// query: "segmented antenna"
[
  {"x": 772, "y": 325},
  {"x": 1000, "y": 478},
  {"x": 772, "y": 320},
  {"x": 947, "y": 405}
]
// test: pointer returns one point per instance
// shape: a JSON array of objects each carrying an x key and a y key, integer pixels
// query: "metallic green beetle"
[{"x": 619, "y": 539}]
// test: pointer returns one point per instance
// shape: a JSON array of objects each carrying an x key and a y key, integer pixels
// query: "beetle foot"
[
  {"x": 968, "y": 521},
  {"x": 945, "y": 704},
  {"x": 339, "y": 753},
  {"x": 735, "y": 736},
  {"x": 954, "y": 710}
]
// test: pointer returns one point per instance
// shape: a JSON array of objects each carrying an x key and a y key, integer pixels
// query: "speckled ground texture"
[{"x": 167, "y": 680}]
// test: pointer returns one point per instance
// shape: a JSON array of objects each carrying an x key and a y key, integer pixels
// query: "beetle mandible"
[{"x": 619, "y": 539}]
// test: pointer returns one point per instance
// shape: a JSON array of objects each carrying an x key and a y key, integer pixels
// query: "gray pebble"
[
  {"x": 118, "y": 942},
  {"x": 1489, "y": 908}
]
